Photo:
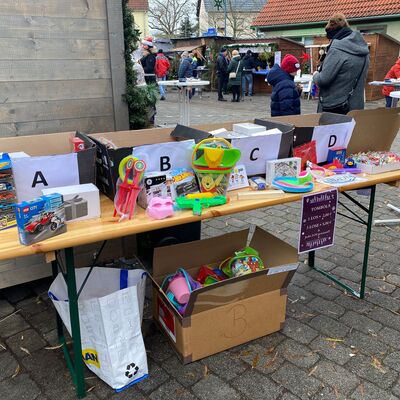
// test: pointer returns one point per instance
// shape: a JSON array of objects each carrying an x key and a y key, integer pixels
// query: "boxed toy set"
[
  {"x": 40, "y": 218},
  {"x": 7, "y": 193}
]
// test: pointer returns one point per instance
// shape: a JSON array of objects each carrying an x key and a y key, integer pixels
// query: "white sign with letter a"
[{"x": 32, "y": 174}]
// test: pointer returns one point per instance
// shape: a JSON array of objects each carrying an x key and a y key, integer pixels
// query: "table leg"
[
  {"x": 75, "y": 327},
  {"x": 368, "y": 224},
  {"x": 180, "y": 100}
]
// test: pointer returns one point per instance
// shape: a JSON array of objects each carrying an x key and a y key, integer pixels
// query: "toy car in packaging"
[
  {"x": 41, "y": 218},
  {"x": 8, "y": 196},
  {"x": 184, "y": 182}
]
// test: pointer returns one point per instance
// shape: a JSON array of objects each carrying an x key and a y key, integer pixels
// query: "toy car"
[{"x": 37, "y": 226}]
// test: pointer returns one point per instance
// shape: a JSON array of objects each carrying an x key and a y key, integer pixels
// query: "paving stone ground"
[{"x": 332, "y": 346}]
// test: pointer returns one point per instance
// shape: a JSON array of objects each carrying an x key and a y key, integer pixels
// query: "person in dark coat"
[
  {"x": 185, "y": 67},
  {"x": 148, "y": 60},
  {"x": 341, "y": 80},
  {"x": 247, "y": 75},
  {"x": 285, "y": 98},
  {"x": 235, "y": 66},
  {"x": 222, "y": 72}
]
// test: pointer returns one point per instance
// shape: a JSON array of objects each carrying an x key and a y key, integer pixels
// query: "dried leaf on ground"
[
  {"x": 25, "y": 350},
  {"x": 255, "y": 361},
  {"x": 90, "y": 389},
  {"x": 377, "y": 364},
  {"x": 271, "y": 361},
  {"x": 270, "y": 350},
  {"x": 328, "y": 339},
  {"x": 54, "y": 347},
  {"x": 313, "y": 370},
  {"x": 362, "y": 390},
  {"x": 17, "y": 370},
  {"x": 205, "y": 372}
]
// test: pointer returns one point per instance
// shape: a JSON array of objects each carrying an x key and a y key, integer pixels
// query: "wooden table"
[{"x": 107, "y": 227}]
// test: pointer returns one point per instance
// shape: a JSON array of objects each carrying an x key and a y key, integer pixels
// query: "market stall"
[{"x": 161, "y": 178}]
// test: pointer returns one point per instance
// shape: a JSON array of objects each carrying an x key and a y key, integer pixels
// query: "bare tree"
[
  {"x": 238, "y": 21},
  {"x": 166, "y": 15}
]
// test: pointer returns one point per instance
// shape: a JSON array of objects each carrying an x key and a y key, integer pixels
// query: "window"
[{"x": 372, "y": 28}]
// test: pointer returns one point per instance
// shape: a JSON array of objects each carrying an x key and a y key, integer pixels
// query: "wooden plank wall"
[
  {"x": 57, "y": 74},
  {"x": 55, "y": 66}
]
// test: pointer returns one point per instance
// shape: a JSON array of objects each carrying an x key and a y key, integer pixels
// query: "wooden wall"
[{"x": 56, "y": 69}]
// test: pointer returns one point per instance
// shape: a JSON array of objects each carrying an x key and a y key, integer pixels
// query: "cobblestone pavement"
[{"x": 300, "y": 362}]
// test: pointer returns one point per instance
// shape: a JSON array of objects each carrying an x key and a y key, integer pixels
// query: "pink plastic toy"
[
  {"x": 179, "y": 288},
  {"x": 160, "y": 208}
]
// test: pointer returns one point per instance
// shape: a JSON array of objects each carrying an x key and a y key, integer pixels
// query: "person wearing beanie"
[
  {"x": 285, "y": 98},
  {"x": 235, "y": 69},
  {"x": 341, "y": 78},
  {"x": 148, "y": 60},
  {"x": 222, "y": 71},
  {"x": 247, "y": 75}
]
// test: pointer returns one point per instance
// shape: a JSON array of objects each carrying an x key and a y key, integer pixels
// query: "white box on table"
[
  {"x": 81, "y": 201},
  {"x": 378, "y": 169},
  {"x": 248, "y": 128}
]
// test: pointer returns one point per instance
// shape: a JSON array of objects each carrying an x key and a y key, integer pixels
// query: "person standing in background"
[
  {"x": 148, "y": 60},
  {"x": 247, "y": 74},
  {"x": 341, "y": 80},
  {"x": 235, "y": 69},
  {"x": 394, "y": 73},
  {"x": 161, "y": 71},
  {"x": 222, "y": 72}
]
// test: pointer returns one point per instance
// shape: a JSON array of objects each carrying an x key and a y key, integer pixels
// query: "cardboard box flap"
[
  {"x": 194, "y": 254},
  {"x": 304, "y": 120},
  {"x": 332, "y": 119},
  {"x": 375, "y": 130},
  {"x": 186, "y": 132},
  {"x": 237, "y": 289},
  {"x": 272, "y": 250}
]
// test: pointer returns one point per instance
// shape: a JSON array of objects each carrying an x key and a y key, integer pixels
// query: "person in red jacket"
[
  {"x": 394, "y": 73},
  {"x": 161, "y": 70}
]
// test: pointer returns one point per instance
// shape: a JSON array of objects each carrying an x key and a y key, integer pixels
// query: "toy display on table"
[
  {"x": 40, "y": 218},
  {"x": 155, "y": 184},
  {"x": 282, "y": 167},
  {"x": 258, "y": 183},
  {"x": 197, "y": 202},
  {"x": 8, "y": 195},
  {"x": 130, "y": 182},
  {"x": 238, "y": 178},
  {"x": 183, "y": 182},
  {"x": 160, "y": 208},
  {"x": 338, "y": 153},
  {"x": 177, "y": 288},
  {"x": 213, "y": 160},
  {"x": 243, "y": 262},
  {"x": 375, "y": 162},
  {"x": 307, "y": 152},
  {"x": 77, "y": 144},
  {"x": 301, "y": 184}
]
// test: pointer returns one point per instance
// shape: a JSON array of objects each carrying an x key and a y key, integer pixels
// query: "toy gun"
[{"x": 198, "y": 203}]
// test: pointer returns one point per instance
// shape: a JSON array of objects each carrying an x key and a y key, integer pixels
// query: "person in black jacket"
[
  {"x": 222, "y": 72},
  {"x": 247, "y": 74},
  {"x": 148, "y": 60},
  {"x": 285, "y": 98}
]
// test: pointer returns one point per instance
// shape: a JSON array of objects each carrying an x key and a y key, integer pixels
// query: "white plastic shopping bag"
[{"x": 110, "y": 316}]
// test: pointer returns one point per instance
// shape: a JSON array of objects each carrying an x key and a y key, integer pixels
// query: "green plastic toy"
[{"x": 197, "y": 204}]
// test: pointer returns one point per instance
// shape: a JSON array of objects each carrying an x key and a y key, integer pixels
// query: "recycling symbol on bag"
[{"x": 131, "y": 370}]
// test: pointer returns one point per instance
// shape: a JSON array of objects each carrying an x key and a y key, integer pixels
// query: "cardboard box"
[
  {"x": 45, "y": 168},
  {"x": 230, "y": 312},
  {"x": 80, "y": 201},
  {"x": 375, "y": 130},
  {"x": 327, "y": 129}
]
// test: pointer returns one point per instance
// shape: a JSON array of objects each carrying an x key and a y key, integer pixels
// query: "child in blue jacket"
[{"x": 285, "y": 98}]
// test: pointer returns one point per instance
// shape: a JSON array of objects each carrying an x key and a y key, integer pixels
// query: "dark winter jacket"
[
  {"x": 347, "y": 59},
  {"x": 285, "y": 98},
  {"x": 185, "y": 68},
  {"x": 248, "y": 64},
  {"x": 222, "y": 65},
  {"x": 236, "y": 64},
  {"x": 149, "y": 63}
]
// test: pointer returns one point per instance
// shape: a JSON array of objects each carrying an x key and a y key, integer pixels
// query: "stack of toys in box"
[{"x": 7, "y": 193}]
